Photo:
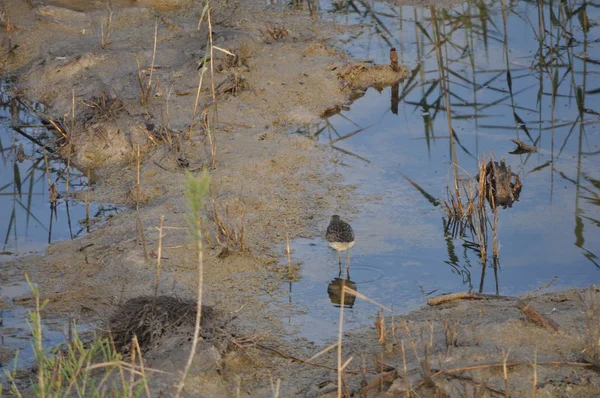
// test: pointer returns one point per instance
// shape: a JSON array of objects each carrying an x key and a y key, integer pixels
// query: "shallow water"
[
  {"x": 505, "y": 81},
  {"x": 28, "y": 221},
  {"x": 14, "y": 331}
]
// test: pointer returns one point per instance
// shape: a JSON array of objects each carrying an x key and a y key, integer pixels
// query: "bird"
[
  {"x": 394, "y": 59},
  {"x": 340, "y": 237}
]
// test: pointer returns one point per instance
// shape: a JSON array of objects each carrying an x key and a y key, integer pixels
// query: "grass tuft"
[{"x": 79, "y": 368}]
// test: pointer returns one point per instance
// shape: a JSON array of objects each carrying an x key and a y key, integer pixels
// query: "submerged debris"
[{"x": 522, "y": 148}]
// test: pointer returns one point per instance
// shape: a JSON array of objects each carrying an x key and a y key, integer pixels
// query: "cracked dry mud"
[{"x": 286, "y": 73}]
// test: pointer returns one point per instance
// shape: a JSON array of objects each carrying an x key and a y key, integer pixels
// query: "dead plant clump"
[
  {"x": 229, "y": 221},
  {"x": 503, "y": 186},
  {"x": 464, "y": 205},
  {"x": 105, "y": 106},
  {"x": 363, "y": 76},
  {"x": 273, "y": 33},
  {"x": 154, "y": 319},
  {"x": 495, "y": 182}
]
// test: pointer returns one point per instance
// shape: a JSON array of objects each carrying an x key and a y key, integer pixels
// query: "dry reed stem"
[
  {"x": 505, "y": 372},
  {"x": 58, "y": 128},
  {"x": 88, "y": 198},
  {"x": 212, "y": 66},
  {"x": 377, "y": 381},
  {"x": 125, "y": 365},
  {"x": 136, "y": 346},
  {"x": 105, "y": 29},
  {"x": 197, "y": 100},
  {"x": 213, "y": 145},
  {"x": 227, "y": 233},
  {"x": 353, "y": 292},
  {"x": 146, "y": 88},
  {"x": 446, "y": 91},
  {"x": 153, "y": 53},
  {"x": 287, "y": 248},
  {"x": 508, "y": 365},
  {"x": 149, "y": 136},
  {"x": 53, "y": 194},
  {"x": 296, "y": 359},
  {"x": 534, "y": 386},
  {"x": 277, "y": 388},
  {"x": 141, "y": 236},
  {"x": 143, "y": 94},
  {"x": 380, "y": 328},
  {"x": 167, "y": 107},
  {"x": 159, "y": 254},
  {"x": 323, "y": 351},
  {"x": 544, "y": 286},
  {"x": 67, "y": 183},
  {"x": 38, "y": 345},
  {"x": 405, "y": 368},
  {"x": 411, "y": 339},
  {"x": 131, "y": 373},
  {"x": 339, "y": 343}
]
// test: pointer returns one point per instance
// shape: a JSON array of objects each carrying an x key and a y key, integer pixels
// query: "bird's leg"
[
  {"x": 347, "y": 260},
  {"x": 339, "y": 257}
]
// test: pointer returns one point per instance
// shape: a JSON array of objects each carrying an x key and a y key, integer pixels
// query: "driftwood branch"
[
  {"x": 447, "y": 298},
  {"x": 536, "y": 317}
]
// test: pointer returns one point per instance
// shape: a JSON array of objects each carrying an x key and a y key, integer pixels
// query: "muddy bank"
[{"x": 265, "y": 184}]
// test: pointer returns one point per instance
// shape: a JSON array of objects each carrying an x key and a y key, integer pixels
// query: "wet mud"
[{"x": 127, "y": 105}]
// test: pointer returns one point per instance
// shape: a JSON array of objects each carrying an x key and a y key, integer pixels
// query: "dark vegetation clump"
[{"x": 154, "y": 319}]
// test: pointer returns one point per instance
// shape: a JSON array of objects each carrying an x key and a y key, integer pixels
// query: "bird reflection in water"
[{"x": 334, "y": 290}]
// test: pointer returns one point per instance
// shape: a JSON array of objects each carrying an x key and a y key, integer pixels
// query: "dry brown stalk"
[
  {"x": 355, "y": 293},
  {"x": 339, "y": 343},
  {"x": 105, "y": 28},
  {"x": 411, "y": 339},
  {"x": 505, "y": 372},
  {"x": 230, "y": 233},
  {"x": 147, "y": 88},
  {"x": 508, "y": 365},
  {"x": 213, "y": 145},
  {"x": 451, "y": 334},
  {"x": 592, "y": 328},
  {"x": 536, "y": 317},
  {"x": 141, "y": 234},
  {"x": 405, "y": 368},
  {"x": 52, "y": 190},
  {"x": 544, "y": 286},
  {"x": 296, "y": 359},
  {"x": 380, "y": 327},
  {"x": 535, "y": 378},
  {"x": 159, "y": 254},
  {"x": 377, "y": 381},
  {"x": 212, "y": 73},
  {"x": 88, "y": 198},
  {"x": 131, "y": 373}
]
